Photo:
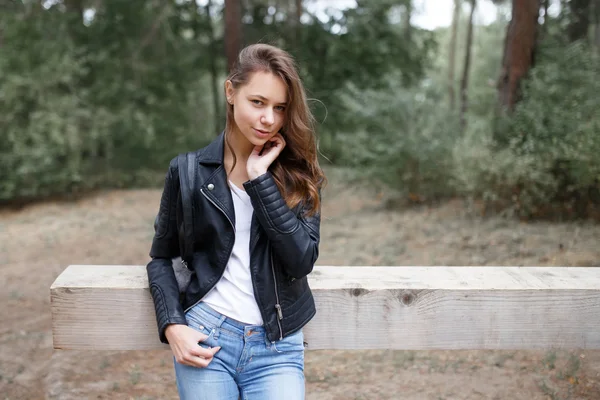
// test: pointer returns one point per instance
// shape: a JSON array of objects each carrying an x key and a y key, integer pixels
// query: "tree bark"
[
  {"x": 452, "y": 52},
  {"x": 464, "y": 85},
  {"x": 519, "y": 50},
  {"x": 233, "y": 31},
  {"x": 213, "y": 69}
]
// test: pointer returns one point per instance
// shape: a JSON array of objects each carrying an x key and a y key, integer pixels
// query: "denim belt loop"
[{"x": 218, "y": 326}]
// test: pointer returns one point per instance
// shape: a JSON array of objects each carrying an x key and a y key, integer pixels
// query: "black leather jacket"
[{"x": 283, "y": 247}]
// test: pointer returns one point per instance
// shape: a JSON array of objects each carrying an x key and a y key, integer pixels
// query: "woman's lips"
[{"x": 261, "y": 133}]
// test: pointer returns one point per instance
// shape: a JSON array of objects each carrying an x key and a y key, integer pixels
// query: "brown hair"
[{"x": 296, "y": 170}]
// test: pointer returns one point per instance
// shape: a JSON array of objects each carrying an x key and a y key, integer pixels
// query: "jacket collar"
[
  {"x": 213, "y": 153},
  {"x": 214, "y": 184}
]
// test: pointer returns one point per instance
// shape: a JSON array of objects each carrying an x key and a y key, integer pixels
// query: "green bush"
[
  {"x": 404, "y": 138},
  {"x": 542, "y": 160},
  {"x": 75, "y": 117}
]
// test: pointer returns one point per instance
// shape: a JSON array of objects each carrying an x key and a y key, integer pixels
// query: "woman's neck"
[{"x": 240, "y": 146}]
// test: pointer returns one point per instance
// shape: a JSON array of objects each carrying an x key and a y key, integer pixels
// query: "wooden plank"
[{"x": 109, "y": 308}]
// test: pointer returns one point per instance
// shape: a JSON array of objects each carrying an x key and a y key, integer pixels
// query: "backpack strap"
[{"x": 187, "y": 184}]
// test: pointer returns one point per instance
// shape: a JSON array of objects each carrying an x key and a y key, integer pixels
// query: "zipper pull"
[{"x": 279, "y": 312}]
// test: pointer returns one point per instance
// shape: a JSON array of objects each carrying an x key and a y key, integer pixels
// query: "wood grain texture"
[{"x": 109, "y": 308}]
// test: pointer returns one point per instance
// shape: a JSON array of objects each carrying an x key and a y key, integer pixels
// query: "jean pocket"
[
  {"x": 291, "y": 343},
  {"x": 196, "y": 322}
]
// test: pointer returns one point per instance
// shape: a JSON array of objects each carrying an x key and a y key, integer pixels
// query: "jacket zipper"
[
  {"x": 277, "y": 305},
  {"x": 230, "y": 250},
  {"x": 220, "y": 209}
]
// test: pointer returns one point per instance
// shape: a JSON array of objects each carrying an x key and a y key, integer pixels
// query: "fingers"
[
  {"x": 188, "y": 351},
  {"x": 207, "y": 353},
  {"x": 257, "y": 150},
  {"x": 274, "y": 146},
  {"x": 263, "y": 156},
  {"x": 278, "y": 139},
  {"x": 198, "y": 357},
  {"x": 200, "y": 337}
]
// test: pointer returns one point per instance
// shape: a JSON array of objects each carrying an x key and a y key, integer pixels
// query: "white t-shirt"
[{"x": 233, "y": 295}]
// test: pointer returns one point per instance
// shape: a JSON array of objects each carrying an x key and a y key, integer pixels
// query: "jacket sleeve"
[
  {"x": 165, "y": 246},
  {"x": 295, "y": 239}
]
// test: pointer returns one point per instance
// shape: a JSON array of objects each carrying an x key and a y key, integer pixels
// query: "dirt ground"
[{"x": 115, "y": 227}]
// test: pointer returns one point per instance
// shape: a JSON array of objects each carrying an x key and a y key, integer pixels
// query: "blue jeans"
[{"x": 248, "y": 366}]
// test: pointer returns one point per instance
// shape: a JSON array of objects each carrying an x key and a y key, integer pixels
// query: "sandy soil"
[{"x": 115, "y": 227}]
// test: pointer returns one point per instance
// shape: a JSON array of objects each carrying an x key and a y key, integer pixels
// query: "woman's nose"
[{"x": 268, "y": 117}]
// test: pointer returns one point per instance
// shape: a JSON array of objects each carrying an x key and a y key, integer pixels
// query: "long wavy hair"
[{"x": 296, "y": 170}]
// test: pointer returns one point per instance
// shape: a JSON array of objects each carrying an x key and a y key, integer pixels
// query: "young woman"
[{"x": 236, "y": 330}]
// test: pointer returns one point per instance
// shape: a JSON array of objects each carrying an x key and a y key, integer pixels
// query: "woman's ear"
[{"x": 229, "y": 92}]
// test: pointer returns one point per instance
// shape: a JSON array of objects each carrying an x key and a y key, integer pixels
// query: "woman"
[{"x": 236, "y": 331}]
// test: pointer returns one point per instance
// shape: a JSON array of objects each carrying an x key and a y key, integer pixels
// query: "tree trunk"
[
  {"x": 233, "y": 31},
  {"x": 452, "y": 52},
  {"x": 298, "y": 10},
  {"x": 519, "y": 50},
  {"x": 580, "y": 19},
  {"x": 464, "y": 85},
  {"x": 297, "y": 26},
  {"x": 406, "y": 21},
  {"x": 213, "y": 69}
]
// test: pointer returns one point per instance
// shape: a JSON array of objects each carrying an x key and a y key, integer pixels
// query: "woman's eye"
[
  {"x": 280, "y": 108},
  {"x": 257, "y": 102}
]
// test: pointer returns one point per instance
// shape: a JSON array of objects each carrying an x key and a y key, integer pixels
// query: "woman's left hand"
[{"x": 258, "y": 163}]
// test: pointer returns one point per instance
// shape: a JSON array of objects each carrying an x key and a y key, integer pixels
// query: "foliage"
[
  {"x": 97, "y": 104},
  {"x": 87, "y": 106},
  {"x": 108, "y": 99},
  {"x": 553, "y": 134},
  {"x": 404, "y": 138},
  {"x": 360, "y": 46}
]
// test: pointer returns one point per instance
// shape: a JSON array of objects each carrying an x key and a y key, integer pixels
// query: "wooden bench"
[{"x": 109, "y": 307}]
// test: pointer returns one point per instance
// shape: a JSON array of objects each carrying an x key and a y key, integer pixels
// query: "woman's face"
[{"x": 259, "y": 107}]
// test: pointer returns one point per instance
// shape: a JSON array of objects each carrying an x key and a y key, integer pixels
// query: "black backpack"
[{"x": 187, "y": 165}]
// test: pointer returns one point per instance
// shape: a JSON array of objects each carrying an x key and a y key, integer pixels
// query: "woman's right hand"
[{"x": 184, "y": 345}]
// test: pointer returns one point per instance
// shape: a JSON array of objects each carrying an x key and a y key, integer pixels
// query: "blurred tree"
[
  {"x": 519, "y": 49},
  {"x": 214, "y": 74},
  {"x": 358, "y": 46},
  {"x": 98, "y": 93},
  {"x": 464, "y": 84},
  {"x": 596, "y": 34},
  {"x": 579, "y": 21},
  {"x": 408, "y": 11},
  {"x": 452, "y": 51},
  {"x": 543, "y": 28},
  {"x": 233, "y": 30},
  {"x": 298, "y": 15}
]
